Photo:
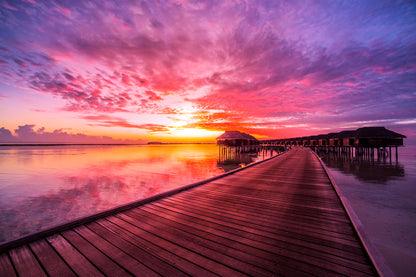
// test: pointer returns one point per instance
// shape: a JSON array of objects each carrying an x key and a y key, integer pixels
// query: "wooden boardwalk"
[{"x": 280, "y": 217}]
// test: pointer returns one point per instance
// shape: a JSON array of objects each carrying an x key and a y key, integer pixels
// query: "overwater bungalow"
[
  {"x": 362, "y": 137},
  {"x": 236, "y": 138},
  {"x": 232, "y": 143},
  {"x": 377, "y": 137},
  {"x": 363, "y": 141}
]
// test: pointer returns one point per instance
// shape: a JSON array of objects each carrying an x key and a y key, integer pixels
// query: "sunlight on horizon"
[{"x": 190, "y": 133}]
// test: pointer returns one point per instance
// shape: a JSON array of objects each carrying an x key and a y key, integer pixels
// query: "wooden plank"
[
  {"x": 302, "y": 199},
  {"x": 126, "y": 261},
  {"x": 253, "y": 188},
  {"x": 78, "y": 263},
  {"x": 152, "y": 257},
  {"x": 51, "y": 261},
  {"x": 6, "y": 267},
  {"x": 279, "y": 187},
  {"x": 261, "y": 205},
  {"x": 312, "y": 253},
  {"x": 224, "y": 256},
  {"x": 246, "y": 199},
  {"x": 286, "y": 264},
  {"x": 330, "y": 245},
  {"x": 262, "y": 230},
  {"x": 204, "y": 265},
  {"x": 279, "y": 226},
  {"x": 323, "y": 187},
  {"x": 210, "y": 238},
  {"x": 305, "y": 206},
  {"x": 274, "y": 210},
  {"x": 263, "y": 214},
  {"x": 266, "y": 211},
  {"x": 266, "y": 208},
  {"x": 276, "y": 178},
  {"x": 96, "y": 257},
  {"x": 25, "y": 262}
]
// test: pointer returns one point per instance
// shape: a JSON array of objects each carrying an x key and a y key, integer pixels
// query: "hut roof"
[
  {"x": 228, "y": 135},
  {"x": 377, "y": 132},
  {"x": 365, "y": 132},
  {"x": 346, "y": 134}
]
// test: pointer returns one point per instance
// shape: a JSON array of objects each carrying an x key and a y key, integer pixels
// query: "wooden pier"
[{"x": 279, "y": 217}]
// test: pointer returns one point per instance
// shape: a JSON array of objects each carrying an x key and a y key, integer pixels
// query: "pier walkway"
[{"x": 280, "y": 217}]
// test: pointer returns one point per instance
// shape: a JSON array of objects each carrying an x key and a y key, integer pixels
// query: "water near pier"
[
  {"x": 382, "y": 192},
  {"x": 43, "y": 186}
]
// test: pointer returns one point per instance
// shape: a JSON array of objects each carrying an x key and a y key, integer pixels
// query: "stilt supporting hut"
[
  {"x": 381, "y": 139},
  {"x": 233, "y": 142}
]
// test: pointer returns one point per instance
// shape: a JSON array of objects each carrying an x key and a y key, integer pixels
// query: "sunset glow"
[{"x": 170, "y": 70}]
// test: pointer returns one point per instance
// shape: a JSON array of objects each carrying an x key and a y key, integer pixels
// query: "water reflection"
[
  {"x": 43, "y": 186},
  {"x": 231, "y": 159},
  {"x": 365, "y": 168}
]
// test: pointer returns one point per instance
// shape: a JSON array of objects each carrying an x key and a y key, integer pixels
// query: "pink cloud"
[
  {"x": 8, "y": 6},
  {"x": 152, "y": 96},
  {"x": 111, "y": 121}
]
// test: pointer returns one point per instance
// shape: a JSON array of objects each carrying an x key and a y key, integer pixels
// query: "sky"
[{"x": 178, "y": 70}]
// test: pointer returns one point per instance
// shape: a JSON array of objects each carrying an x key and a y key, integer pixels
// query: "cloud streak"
[{"x": 110, "y": 121}]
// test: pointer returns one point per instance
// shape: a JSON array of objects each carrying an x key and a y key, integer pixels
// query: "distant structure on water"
[
  {"x": 362, "y": 137},
  {"x": 236, "y": 138},
  {"x": 236, "y": 147},
  {"x": 362, "y": 141}
]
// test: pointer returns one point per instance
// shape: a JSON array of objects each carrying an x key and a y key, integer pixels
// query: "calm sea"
[
  {"x": 382, "y": 193},
  {"x": 43, "y": 186}
]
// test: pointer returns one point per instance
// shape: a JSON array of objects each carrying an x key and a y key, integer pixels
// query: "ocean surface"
[{"x": 43, "y": 186}]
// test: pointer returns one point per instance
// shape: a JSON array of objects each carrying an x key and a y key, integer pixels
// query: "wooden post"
[
  {"x": 390, "y": 154},
  {"x": 397, "y": 155}
]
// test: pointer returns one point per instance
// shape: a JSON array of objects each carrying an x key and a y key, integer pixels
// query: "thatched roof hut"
[
  {"x": 378, "y": 137},
  {"x": 377, "y": 132},
  {"x": 236, "y": 138},
  {"x": 362, "y": 137}
]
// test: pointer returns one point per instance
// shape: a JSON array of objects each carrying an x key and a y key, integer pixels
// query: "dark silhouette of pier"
[{"x": 366, "y": 141}]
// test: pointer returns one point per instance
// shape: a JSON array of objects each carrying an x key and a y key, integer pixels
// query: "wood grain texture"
[
  {"x": 25, "y": 262},
  {"x": 51, "y": 261},
  {"x": 6, "y": 266},
  {"x": 73, "y": 257}
]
